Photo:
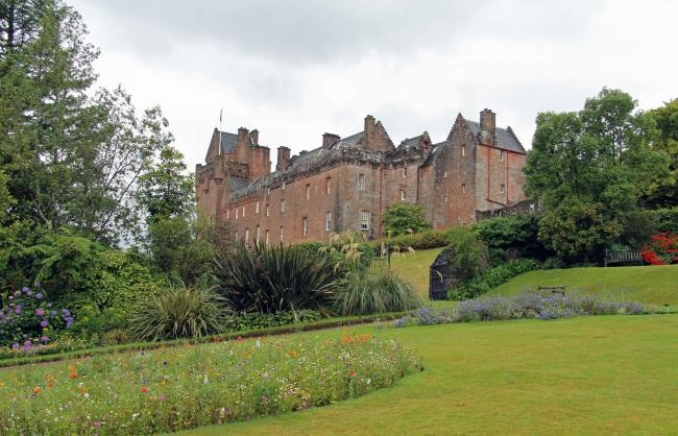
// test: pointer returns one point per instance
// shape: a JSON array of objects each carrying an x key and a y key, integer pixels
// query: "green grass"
[
  {"x": 585, "y": 376},
  {"x": 415, "y": 269},
  {"x": 644, "y": 284}
]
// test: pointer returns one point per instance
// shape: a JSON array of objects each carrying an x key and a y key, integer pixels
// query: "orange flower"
[
  {"x": 351, "y": 374},
  {"x": 36, "y": 390},
  {"x": 144, "y": 390}
]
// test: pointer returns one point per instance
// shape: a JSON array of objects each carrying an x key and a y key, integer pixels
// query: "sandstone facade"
[{"x": 347, "y": 183}]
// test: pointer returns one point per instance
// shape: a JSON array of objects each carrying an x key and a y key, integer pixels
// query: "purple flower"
[
  {"x": 18, "y": 308},
  {"x": 36, "y": 284},
  {"x": 15, "y": 346},
  {"x": 264, "y": 399},
  {"x": 49, "y": 305},
  {"x": 162, "y": 397},
  {"x": 69, "y": 321},
  {"x": 65, "y": 312},
  {"x": 43, "y": 323},
  {"x": 40, "y": 312},
  {"x": 39, "y": 296},
  {"x": 44, "y": 339},
  {"x": 25, "y": 289},
  {"x": 27, "y": 346}
]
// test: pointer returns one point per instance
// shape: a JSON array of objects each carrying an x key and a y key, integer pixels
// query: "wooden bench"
[
  {"x": 623, "y": 257},
  {"x": 554, "y": 289}
]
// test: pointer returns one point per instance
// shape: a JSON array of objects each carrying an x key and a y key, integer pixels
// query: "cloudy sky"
[{"x": 295, "y": 69}]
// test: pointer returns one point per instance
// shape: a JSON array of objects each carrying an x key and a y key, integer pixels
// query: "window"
[
  {"x": 281, "y": 233},
  {"x": 236, "y": 212},
  {"x": 256, "y": 208},
  {"x": 403, "y": 195},
  {"x": 243, "y": 211},
  {"x": 463, "y": 188},
  {"x": 308, "y": 192},
  {"x": 268, "y": 241},
  {"x": 502, "y": 188},
  {"x": 361, "y": 182},
  {"x": 258, "y": 235},
  {"x": 268, "y": 210},
  {"x": 364, "y": 220},
  {"x": 444, "y": 198},
  {"x": 405, "y": 172},
  {"x": 228, "y": 214},
  {"x": 282, "y": 205},
  {"x": 501, "y": 155},
  {"x": 463, "y": 150},
  {"x": 304, "y": 226},
  {"x": 445, "y": 175},
  {"x": 328, "y": 221},
  {"x": 247, "y": 236},
  {"x": 284, "y": 185},
  {"x": 268, "y": 192},
  {"x": 328, "y": 185}
]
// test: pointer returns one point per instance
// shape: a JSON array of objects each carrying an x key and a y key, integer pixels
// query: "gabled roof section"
[
  {"x": 505, "y": 138},
  {"x": 349, "y": 141},
  {"x": 413, "y": 143},
  {"x": 228, "y": 142},
  {"x": 437, "y": 148}
]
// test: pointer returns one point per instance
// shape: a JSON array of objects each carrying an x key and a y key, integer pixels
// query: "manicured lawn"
[
  {"x": 415, "y": 269},
  {"x": 584, "y": 376},
  {"x": 645, "y": 284}
]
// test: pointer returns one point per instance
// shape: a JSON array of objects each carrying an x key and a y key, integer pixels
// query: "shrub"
[
  {"x": 274, "y": 280},
  {"x": 491, "y": 279},
  {"x": 467, "y": 255},
  {"x": 364, "y": 293},
  {"x": 254, "y": 321},
  {"x": 404, "y": 218},
  {"x": 27, "y": 319},
  {"x": 179, "y": 313},
  {"x": 510, "y": 237},
  {"x": 662, "y": 249}
]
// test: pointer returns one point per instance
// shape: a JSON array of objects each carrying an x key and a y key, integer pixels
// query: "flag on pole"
[{"x": 221, "y": 112}]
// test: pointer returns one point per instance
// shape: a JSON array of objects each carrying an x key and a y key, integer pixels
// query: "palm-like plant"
[
  {"x": 274, "y": 280},
  {"x": 179, "y": 313}
]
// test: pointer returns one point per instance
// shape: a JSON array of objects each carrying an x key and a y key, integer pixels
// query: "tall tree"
[
  {"x": 73, "y": 160},
  {"x": 666, "y": 119},
  {"x": 591, "y": 170}
]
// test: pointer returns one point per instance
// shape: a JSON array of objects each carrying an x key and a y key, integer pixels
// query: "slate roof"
[
  {"x": 237, "y": 183},
  {"x": 505, "y": 137},
  {"x": 228, "y": 142},
  {"x": 348, "y": 142},
  {"x": 410, "y": 143},
  {"x": 437, "y": 148}
]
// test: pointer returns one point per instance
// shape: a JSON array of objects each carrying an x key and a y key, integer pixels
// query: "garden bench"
[
  {"x": 623, "y": 257},
  {"x": 554, "y": 289}
]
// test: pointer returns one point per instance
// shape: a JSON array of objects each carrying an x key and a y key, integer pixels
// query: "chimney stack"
[
  {"x": 329, "y": 139},
  {"x": 488, "y": 124},
  {"x": 283, "y": 158},
  {"x": 369, "y": 131},
  {"x": 254, "y": 136}
]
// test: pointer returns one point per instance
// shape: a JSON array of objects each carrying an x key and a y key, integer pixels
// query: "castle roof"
[
  {"x": 505, "y": 138},
  {"x": 437, "y": 148},
  {"x": 228, "y": 142}
]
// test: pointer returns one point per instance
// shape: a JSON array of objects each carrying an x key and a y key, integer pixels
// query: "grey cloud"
[{"x": 310, "y": 31}]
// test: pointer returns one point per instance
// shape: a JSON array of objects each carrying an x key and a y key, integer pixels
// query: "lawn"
[
  {"x": 589, "y": 375},
  {"x": 415, "y": 269},
  {"x": 645, "y": 284}
]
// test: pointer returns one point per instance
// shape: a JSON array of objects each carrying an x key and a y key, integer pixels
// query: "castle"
[{"x": 347, "y": 183}]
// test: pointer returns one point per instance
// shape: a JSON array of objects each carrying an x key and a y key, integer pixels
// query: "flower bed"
[{"x": 183, "y": 387}]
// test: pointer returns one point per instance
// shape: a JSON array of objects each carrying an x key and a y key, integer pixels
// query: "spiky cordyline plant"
[
  {"x": 274, "y": 280},
  {"x": 179, "y": 313}
]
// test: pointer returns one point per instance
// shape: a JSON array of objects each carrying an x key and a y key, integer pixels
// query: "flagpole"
[{"x": 221, "y": 112}]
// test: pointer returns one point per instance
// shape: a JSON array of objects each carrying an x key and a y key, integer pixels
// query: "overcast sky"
[{"x": 295, "y": 69}]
